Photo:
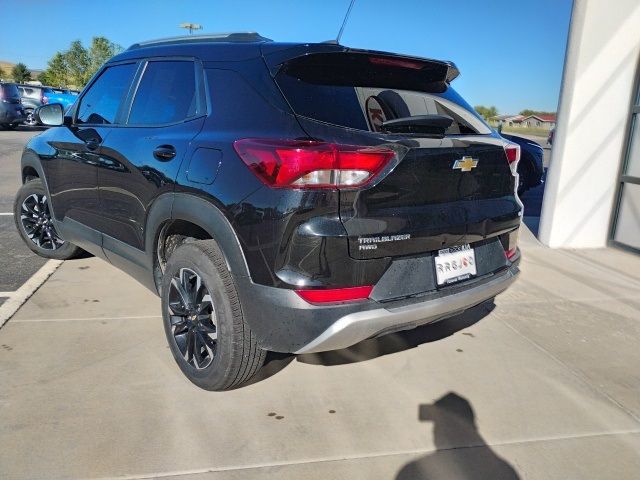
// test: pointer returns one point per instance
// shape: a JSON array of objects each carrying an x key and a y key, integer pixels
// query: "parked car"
[
  {"x": 64, "y": 97},
  {"x": 531, "y": 165},
  {"x": 277, "y": 196},
  {"x": 34, "y": 96},
  {"x": 11, "y": 110}
]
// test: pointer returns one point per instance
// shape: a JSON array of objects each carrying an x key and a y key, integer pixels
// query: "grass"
[{"x": 538, "y": 132}]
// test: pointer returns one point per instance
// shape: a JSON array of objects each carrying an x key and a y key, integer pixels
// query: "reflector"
[{"x": 334, "y": 295}]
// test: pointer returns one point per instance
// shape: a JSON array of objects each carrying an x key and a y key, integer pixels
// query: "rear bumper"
[
  {"x": 283, "y": 322},
  {"x": 355, "y": 327}
]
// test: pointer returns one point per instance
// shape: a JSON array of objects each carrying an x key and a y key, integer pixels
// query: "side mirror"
[{"x": 52, "y": 114}]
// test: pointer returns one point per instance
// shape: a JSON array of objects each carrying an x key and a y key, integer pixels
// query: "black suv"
[
  {"x": 11, "y": 109},
  {"x": 278, "y": 196}
]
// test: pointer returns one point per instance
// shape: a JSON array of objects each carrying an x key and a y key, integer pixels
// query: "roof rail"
[{"x": 233, "y": 37}]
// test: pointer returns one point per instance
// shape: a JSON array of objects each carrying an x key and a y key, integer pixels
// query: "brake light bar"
[
  {"x": 396, "y": 62},
  {"x": 333, "y": 295},
  {"x": 312, "y": 164}
]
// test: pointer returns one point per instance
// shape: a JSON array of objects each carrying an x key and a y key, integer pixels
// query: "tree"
[
  {"x": 77, "y": 65},
  {"x": 486, "y": 112},
  {"x": 527, "y": 112},
  {"x": 57, "y": 72},
  {"x": 77, "y": 59},
  {"x": 100, "y": 51},
  {"x": 20, "y": 73}
]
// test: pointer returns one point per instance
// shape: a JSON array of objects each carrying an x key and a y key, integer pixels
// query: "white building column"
[{"x": 601, "y": 65}]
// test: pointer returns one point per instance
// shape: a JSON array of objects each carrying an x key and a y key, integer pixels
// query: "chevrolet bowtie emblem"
[{"x": 465, "y": 164}]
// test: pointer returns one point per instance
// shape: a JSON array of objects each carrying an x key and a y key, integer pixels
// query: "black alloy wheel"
[
  {"x": 36, "y": 221},
  {"x": 193, "y": 319}
]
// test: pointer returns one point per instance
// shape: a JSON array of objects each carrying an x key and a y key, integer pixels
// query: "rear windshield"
[
  {"x": 10, "y": 91},
  {"x": 362, "y": 94}
]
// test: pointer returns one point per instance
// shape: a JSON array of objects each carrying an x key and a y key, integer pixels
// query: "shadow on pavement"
[
  {"x": 26, "y": 128},
  {"x": 377, "y": 347},
  {"x": 462, "y": 453},
  {"x": 400, "y": 341}
]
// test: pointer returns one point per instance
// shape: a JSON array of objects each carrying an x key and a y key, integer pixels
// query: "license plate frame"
[{"x": 455, "y": 264}]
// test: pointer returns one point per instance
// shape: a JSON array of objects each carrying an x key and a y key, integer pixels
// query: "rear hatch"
[
  {"x": 445, "y": 188},
  {"x": 9, "y": 93}
]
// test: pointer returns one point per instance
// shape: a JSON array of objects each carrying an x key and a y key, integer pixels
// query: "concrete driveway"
[{"x": 546, "y": 385}]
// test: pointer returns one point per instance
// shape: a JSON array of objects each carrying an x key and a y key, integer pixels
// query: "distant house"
[
  {"x": 546, "y": 122},
  {"x": 505, "y": 120},
  {"x": 539, "y": 121}
]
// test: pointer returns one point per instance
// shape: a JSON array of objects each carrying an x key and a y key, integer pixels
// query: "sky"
[{"x": 510, "y": 52}]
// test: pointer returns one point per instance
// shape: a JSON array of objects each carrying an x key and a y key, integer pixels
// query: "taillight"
[
  {"x": 312, "y": 164},
  {"x": 510, "y": 243},
  {"x": 334, "y": 295},
  {"x": 512, "y": 151}
]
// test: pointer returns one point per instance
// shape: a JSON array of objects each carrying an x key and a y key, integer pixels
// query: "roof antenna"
[{"x": 344, "y": 23}]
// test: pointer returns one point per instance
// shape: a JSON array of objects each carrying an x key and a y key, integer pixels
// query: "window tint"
[
  {"x": 166, "y": 94},
  {"x": 101, "y": 102},
  {"x": 9, "y": 91}
]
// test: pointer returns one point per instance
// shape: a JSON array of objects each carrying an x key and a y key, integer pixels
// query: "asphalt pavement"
[{"x": 17, "y": 262}]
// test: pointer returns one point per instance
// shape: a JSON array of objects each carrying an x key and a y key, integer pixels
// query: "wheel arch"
[
  {"x": 190, "y": 217},
  {"x": 30, "y": 167}
]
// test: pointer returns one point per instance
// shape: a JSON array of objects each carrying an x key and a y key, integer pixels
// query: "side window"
[
  {"x": 101, "y": 102},
  {"x": 166, "y": 94}
]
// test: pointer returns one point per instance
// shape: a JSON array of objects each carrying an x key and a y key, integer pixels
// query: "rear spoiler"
[{"x": 279, "y": 56}]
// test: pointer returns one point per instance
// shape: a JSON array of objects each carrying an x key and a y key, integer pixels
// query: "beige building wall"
[{"x": 602, "y": 60}]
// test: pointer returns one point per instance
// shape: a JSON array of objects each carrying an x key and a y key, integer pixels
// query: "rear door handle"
[{"x": 164, "y": 153}]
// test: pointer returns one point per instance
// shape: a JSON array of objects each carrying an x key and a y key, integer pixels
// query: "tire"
[
  {"x": 30, "y": 207},
  {"x": 208, "y": 336}
]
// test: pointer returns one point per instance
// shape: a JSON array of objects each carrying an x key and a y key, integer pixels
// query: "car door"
[
  {"x": 141, "y": 161},
  {"x": 71, "y": 172}
]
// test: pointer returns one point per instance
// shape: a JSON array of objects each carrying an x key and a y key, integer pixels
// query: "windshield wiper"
[{"x": 432, "y": 125}]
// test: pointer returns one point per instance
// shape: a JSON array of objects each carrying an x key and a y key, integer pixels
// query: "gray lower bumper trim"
[{"x": 355, "y": 327}]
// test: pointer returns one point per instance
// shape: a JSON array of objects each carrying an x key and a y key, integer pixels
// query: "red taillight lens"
[
  {"x": 511, "y": 246},
  {"x": 311, "y": 164},
  {"x": 512, "y": 151},
  {"x": 334, "y": 295}
]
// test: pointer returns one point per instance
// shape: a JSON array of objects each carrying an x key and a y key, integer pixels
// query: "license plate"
[{"x": 455, "y": 264}]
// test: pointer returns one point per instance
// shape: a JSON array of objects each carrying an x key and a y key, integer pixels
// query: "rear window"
[
  {"x": 361, "y": 92},
  {"x": 9, "y": 91},
  {"x": 30, "y": 92}
]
